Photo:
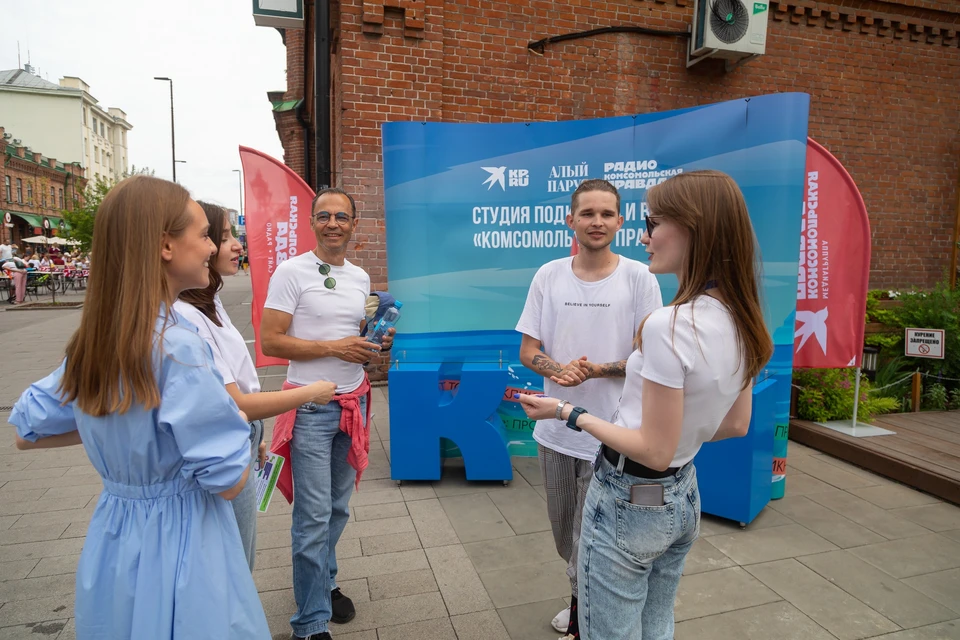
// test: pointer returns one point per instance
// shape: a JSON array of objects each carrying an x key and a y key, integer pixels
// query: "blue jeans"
[
  {"x": 631, "y": 556},
  {"x": 322, "y": 484},
  {"x": 245, "y": 504}
]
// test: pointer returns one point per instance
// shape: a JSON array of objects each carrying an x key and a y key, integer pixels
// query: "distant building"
[
  {"x": 65, "y": 121},
  {"x": 34, "y": 190}
]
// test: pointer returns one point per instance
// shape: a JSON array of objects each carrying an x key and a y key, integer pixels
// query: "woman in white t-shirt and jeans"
[
  {"x": 202, "y": 307},
  {"x": 689, "y": 381}
]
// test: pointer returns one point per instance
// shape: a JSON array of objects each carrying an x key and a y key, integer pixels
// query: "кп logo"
[{"x": 497, "y": 176}]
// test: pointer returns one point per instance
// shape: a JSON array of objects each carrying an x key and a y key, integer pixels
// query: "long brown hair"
[
  {"x": 203, "y": 299},
  {"x": 723, "y": 247},
  {"x": 110, "y": 358}
]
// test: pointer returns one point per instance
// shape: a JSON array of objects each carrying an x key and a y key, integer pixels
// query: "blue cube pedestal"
[{"x": 734, "y": 475}]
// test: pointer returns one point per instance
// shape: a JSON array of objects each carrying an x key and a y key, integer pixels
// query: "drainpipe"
[
  {"x": 956, "y": 240},
  {"x": 307, "y": 169},
  {"x": 321, "y": 35}
]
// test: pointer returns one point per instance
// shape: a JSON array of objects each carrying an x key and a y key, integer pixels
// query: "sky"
[{"x": 222, "y": 66}]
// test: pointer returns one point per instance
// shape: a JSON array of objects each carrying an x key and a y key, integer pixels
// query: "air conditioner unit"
[{"x": 733, "y": 30}]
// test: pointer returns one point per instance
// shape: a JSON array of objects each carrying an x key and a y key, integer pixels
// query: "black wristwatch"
[{"x": 575, "y": 413}]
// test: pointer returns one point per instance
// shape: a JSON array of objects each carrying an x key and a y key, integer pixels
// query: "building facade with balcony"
[{"x": 34, "y": 190}]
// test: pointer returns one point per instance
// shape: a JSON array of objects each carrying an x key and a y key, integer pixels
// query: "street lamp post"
[
  {"x": 173, "y": 137},
  {"x": 240, "y": 179}
]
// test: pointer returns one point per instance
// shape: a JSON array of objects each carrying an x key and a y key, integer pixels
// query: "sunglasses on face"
[
  {"x": 323, "y": 217},
  {"x": 329, "y": 282},
  {"x": 651, "y": 224}
]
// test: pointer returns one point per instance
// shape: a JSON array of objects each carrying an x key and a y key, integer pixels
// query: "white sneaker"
[{"x": 561, "y": 621}]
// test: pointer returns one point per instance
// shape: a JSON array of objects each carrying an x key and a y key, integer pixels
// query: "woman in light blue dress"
[{"x": 138, "y": 388}]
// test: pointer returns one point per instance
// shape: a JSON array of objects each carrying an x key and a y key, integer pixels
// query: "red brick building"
[
  {"x": 883, "y": 75},
  {"x": 35, "y": 191}
]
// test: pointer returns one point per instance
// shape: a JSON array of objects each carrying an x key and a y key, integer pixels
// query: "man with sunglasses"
[
  {"x": 578, "y": 326},
  {"x": 312, "y": 317}
]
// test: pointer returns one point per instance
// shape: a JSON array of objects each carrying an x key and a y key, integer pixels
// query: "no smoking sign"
[{"x": 924, "y": 343}]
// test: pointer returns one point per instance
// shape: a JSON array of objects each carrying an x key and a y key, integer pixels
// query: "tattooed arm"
[{"x": 533, "y": 357}]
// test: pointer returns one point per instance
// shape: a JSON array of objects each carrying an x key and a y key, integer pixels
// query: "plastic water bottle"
[{"x": 389, "y": 320}]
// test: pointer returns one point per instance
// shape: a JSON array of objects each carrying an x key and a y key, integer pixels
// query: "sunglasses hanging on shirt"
[{"x": 324, "y": 270}]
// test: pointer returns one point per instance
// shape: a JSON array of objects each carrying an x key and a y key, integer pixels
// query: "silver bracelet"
[{"x": 560, "y": 407}]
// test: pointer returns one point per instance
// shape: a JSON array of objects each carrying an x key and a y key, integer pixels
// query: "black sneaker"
[
  {"x": 314, "y": 636},
  {"x": 342, "y": 607}
]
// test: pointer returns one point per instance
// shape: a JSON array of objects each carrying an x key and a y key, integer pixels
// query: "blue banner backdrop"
[{"x": 473, "y": 210}]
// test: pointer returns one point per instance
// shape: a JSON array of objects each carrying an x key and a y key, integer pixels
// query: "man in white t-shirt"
[
  {"x": 312, "y": 317},
  {"x": 578, "y": 324},
  {"x": 6, "y": 251}
]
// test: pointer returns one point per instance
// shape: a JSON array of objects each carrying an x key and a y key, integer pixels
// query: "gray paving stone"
[
  {"x": 943, "y": 631},
  {"x": 953, "y": 535},
  {"x": 22, "y": 495},
  {"x": 17, "y": 569},
  {"x": 779, "y": 620},
  {"x": 279, "y": 522},
  {"x": 527, "y": 583},
  {"x": 33, "y": 534},
  {"x": 936, "y": 517},
  {"x": 878, "y": 590},
  {"x": 482, "y": 625},
  {"x": 832, "y": 608},
  {"x": 270, "y": 558},
  {"x": 529, "y": 468},
  {"x": 378, "y": 496},
  {"x": 56, "y": 566},
  {"x": 765, "y": 545},
  {"x": 47, "y": 549},
  {"x": 75, "y": 530},
  {"x": 52, "y": 518},
  {"x": 802, "y": 484},
  {"x": 80, "y": 490},
  {"x": 380, "y": 511},
  {"x": 42, "y": 505},
  {"x": 460, "y": 586},
  {"x": 766, "y": 519},
  {"x": 49, "y": 629},
  {"x": 381, "y": 527},
  {"x": 439, "y": 629},
  {"x": 359, "y": 635},
  {"x": 273, "y": 578},
  {"x": 703, "y": 557},
  {"x": 912, "y": 556},
  {"x": 524, "y": 509},
  {"x": 826, "y": 523},
  {"x": 706, "y": 594},
  {"x": 833, "y": 475},
  {"x": 386, "y": 563},
  {"x": 432, "y": 524},
  {"x": 389, "y": 543},
  {"x": 475, "y": 517},
  {"x": 7, "y": 521},
  {"x": 397, "y": 611},
  {"x": 406, "y": 583},
  {"x": 503, "y": 553},
  {"x": 36, "y": 610},
  {"x": 70, "y": 631},
  {"x": 942, "y": 586},
  {"x": 893, "y": 496},
  {"x": 886, "y": 523},
  {"x": 278, "y": 603},
  {"x": 31, "y": 588},
  {"x": 532, "y": 621},
  {"x": 413, "y": 491}
]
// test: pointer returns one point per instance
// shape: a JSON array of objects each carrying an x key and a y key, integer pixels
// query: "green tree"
[{"x": 84, "y": 212}]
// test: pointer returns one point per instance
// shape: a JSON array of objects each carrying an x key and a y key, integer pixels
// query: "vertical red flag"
[
  {"x": 277, "y": 216},
  {"x": 834, "y": 267}
]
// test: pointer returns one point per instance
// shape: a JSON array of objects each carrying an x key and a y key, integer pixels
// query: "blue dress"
[{"x": 162, "y": 558}]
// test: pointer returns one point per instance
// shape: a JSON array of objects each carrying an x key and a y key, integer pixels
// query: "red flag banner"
[
  {"x": 834, "y": 267},
  {"x": 277, "y": 216}
]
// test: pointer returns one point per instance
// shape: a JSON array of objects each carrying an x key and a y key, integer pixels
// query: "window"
[
  {"x": 101, "y": 129},
  {"x": 44, "y": 199},
  {"x": 53, "y": 197},
  {"x": 19, "y": 190},
  {"x": 6, "y": 185},
  {"x": 61, "y": 198},
  {"x": 30, "y": 193},
  {"x": 94, "y": 125}
]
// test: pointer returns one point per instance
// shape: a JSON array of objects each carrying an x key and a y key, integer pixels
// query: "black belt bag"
[{"x": 635, "y": 468}]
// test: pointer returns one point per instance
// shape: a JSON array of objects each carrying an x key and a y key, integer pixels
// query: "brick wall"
[{"x": 884, "y": 76}]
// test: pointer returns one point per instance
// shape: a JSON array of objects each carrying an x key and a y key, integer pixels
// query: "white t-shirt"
[
  {"x": 230, "y": 352},
  {"x": 319, "y": 313},
  {"x": 573, "y": 318},
  {"x": 705, "y": 362},
  {"x": 6, "y": 251}
]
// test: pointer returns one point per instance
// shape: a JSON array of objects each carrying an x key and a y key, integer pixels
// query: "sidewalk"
[{"x": 846, "y": 555}]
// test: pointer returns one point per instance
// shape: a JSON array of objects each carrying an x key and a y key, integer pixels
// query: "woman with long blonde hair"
[
  {"x": 689, "y": 381},
  {"x": 138, "y": 388}
]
